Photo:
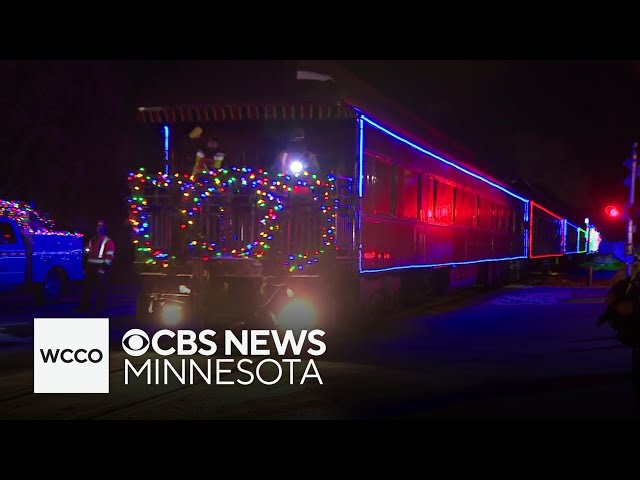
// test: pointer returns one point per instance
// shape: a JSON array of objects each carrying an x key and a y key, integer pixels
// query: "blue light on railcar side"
[
  {"x": 526, "y": 230},
  {"x": 166, "y": 150},
  {"x": 361, "y": 157},
  {"x": 468, "y": 262},
  {"x": 360, "y": 186},
  {"x": 437, "y": 157}
]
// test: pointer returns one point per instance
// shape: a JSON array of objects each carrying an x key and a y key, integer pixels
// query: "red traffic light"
[{"x": 612, "y": 211}]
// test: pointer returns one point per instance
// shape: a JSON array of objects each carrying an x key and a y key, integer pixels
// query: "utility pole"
[{"x": 632, "y": 194}]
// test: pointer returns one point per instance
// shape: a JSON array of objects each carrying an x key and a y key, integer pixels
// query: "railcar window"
[
  {"x": 442, "y": 202},
  {"x": 485, "y": 213},
  {"x": 394, "y": 191},
  {"x": 471, "y": 209},
  {"x": 426, "y": 212},
  {"x": 507, "y": 219},
  {"x": 493, "y": 216},
  {"x": 434, "y": 198},
  {"x": 454, "y": 206},
  {"x": 378, "y": 186},
  {"x": 407, "y": 193},
  {"x": 420, "y": 198},
  {"x": 465, "y": 208}
]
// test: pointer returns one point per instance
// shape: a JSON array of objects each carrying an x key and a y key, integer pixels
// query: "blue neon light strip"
[
  {"x": 567, "y": 223},
  {"x": 361, "y": 158},
  {"x": 475, "y": 175},
  {"x": 526, "y": 230},
  {"x": 360, "y": 190},
  {"x": 574, "y": 226},
  {"x": 440, "y": 264},
  {"x": 166, "y": 150}
]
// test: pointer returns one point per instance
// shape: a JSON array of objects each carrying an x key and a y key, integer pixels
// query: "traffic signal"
[{"x": 613, "y": 211}]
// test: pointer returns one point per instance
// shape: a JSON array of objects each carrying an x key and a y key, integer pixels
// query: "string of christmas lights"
[
  {"x": 322, "y": 193},
  {"x": 140, "y": 212},
  {"x": 29, "y": 219},
  {"x": 209, "y": 184}
]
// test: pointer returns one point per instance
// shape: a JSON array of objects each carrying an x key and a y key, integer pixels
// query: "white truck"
[{"x": 34, "y": 256}]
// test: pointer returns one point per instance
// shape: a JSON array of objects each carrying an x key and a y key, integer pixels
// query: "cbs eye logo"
[{"x": 135, "y": 342}]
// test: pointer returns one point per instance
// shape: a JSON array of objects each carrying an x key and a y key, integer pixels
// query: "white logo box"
[{"x": 71, "y": 355}]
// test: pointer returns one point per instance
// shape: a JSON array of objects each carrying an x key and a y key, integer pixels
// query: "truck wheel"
[{"x": 52, "y": 288}]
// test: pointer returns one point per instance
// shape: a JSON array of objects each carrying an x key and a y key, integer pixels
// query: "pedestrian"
[{"x": 101, "y": 253}]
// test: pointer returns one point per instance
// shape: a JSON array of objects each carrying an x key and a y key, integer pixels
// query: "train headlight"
[
  {"x": 298, "y": 314},
  {"x": 171, "y": 314},
  {"x": 296, "y": 166}
]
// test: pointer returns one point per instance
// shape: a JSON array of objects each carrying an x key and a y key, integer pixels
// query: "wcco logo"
[
  {"x": 80, "y": 356},
  {"x": 71, "y": 355}
]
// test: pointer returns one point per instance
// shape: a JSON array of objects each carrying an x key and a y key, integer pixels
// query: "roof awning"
[{"x": 243, "y": 112}]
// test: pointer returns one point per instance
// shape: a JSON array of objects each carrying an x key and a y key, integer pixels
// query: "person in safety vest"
[{"x": 100, "y": 256}]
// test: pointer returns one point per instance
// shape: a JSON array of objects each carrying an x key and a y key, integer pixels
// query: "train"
[{"x": 318, "y": 213}]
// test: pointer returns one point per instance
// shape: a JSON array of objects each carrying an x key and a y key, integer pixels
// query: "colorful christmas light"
[
  {"x": 269, "y": 191},
  {"x": 139, "y": 213},
  {"x": 235, "y": 180},
  {"x": 323, "y": 192},
  {"x": 29, "y": 219},
  {"x": 594, "y": 239}
]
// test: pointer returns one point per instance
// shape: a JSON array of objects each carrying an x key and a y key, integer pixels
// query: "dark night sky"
[{"x": 565, "y": 125}]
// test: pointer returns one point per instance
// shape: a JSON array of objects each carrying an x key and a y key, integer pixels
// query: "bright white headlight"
[
  {"x": 296, "y": 166},
  {"x": 298, "y": 314},
  {"x": 171, "y": 314}
]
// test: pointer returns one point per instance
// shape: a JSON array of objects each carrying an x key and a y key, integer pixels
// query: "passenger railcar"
[
  {"x": 546, "y": 232},
  {"x": 575, "y": 238}
]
